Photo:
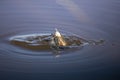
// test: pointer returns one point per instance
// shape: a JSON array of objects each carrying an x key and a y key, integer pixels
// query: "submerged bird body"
[{"x": 55, "y": 41}]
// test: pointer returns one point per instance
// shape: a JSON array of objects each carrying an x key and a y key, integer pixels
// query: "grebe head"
[
  {"x": 57, "y": 33},
  {"x": 60, "y": 39}
]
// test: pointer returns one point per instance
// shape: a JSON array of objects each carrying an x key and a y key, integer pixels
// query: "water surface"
[{"x": 90, "y": 19}]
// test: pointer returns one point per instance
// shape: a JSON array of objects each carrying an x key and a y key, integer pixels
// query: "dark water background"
[{"x": 90, "y": 19}]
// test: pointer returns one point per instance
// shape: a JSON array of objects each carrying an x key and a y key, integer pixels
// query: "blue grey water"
[{"x": 90, "y": 19}]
